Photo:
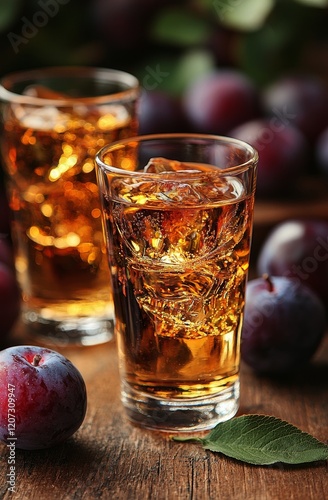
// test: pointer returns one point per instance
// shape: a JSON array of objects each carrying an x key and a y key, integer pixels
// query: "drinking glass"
[
  {"x": 177, "y": 216},
  {"x": 54, "y": 120}
]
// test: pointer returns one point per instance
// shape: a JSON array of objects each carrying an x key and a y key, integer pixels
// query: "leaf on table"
[{"x": 262, "y": 440}]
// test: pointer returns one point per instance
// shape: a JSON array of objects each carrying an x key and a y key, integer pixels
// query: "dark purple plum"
[
  {"x": 298, "y": 248},
  {"x": 321, "y": 152},
  {"x": 46, "y": 394},
  {"x": 282, "y": 154},
  {"x": 219, "y": 101},
  {"x": 160, "y": 112},
  {"x": 301, "y": 101},
  {"x": 124, "y": 24},
  {"x": 284, "y": 323}
]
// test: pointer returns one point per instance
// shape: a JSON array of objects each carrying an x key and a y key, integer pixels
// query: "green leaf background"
[
  {"x": 9, "y": 10},
  {"x": 246, "y": 15},
  {"x": 268, "y": 38}
]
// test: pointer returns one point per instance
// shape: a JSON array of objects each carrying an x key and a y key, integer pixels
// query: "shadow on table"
[{"x": 72, "y": 452}]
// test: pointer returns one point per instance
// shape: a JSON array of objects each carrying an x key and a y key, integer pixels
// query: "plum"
[
  {"x": 124, "y": 24},
  {"x": 298, "y": 248},
  {"x": 220, "y": 100},
  {"x": 43, "y": 397},
  {"x": 284, "y": 323},
  {"x": 300, "y": 100},
  {"x": 282, "y": 153},
  {"x": 160, "y": 112},
  {"x": 321, "y": 152}
]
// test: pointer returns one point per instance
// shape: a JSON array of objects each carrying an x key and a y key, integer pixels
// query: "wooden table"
[{"x": 108, "y": 458}]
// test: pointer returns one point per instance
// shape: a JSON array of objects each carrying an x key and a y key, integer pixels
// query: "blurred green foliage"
[{"x": 172, "y": 41}]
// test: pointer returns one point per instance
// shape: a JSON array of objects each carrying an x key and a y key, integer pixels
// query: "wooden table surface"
[{"x": 108, "y": 458}]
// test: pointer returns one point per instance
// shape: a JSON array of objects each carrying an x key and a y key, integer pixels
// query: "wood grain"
[{"x": 108, "y": 458}]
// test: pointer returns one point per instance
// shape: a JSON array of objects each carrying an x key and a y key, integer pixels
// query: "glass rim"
[
  {"x": 219, "y": 139},
  {"x": 103, "y": 74}
]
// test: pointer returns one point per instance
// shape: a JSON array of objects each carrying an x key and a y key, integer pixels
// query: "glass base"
[
  {"x": 180, "y": 415},
  {"x": 75, "y": 331}
]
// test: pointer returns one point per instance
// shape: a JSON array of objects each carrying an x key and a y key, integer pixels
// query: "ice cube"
[
  {"x": 164, "y": 165},
  {"x": 45, "y": 118},
  {"x": 43, "y": 92},
  {"x": 179, "y": 193},
  {"x": 220, "y": 189},
  {"x": 159, "y": 165}
]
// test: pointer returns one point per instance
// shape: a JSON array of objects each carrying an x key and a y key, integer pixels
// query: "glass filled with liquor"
[
  {"x": 177, "y": 215},
  {"x": 54, "y": 120}
]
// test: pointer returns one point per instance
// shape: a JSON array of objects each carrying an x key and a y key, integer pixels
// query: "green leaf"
[
  {"x": 179, "y": 26},
  {"x": 262, "y": 440},
  {"x": 246, "y": 15},
  {"x": 190, "y": 66},
  {"x": 174, "y": 71}
]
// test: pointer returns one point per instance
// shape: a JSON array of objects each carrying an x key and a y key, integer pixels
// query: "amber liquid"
[
  {"x": 179, "y": 270},
  {"x": 60, "y": 255}
]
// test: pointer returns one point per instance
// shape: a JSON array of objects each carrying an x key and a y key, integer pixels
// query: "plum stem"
[
  {"x": 36, "y": 360},
  {"x": 267, "y": 278}
]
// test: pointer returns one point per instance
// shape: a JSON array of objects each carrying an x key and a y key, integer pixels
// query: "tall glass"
[
  {"x": 54, "y": 120},
  {"x": 177, "y": 216}
]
